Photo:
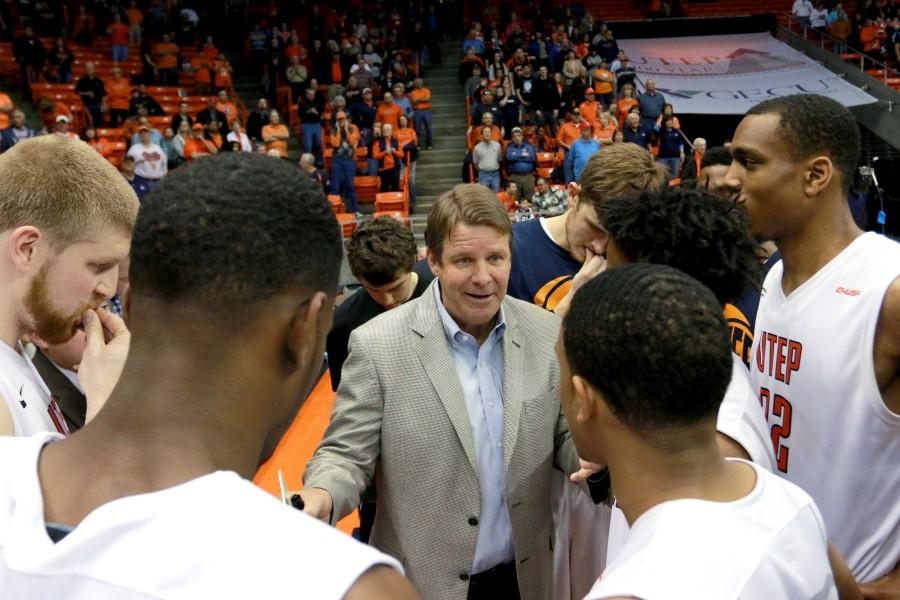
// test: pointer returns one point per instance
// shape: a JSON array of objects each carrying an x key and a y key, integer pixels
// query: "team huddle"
[{"x": 556, "y": 408}]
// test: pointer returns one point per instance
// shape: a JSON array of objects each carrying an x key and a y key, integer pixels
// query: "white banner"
[{"x": 728, "y": 74}]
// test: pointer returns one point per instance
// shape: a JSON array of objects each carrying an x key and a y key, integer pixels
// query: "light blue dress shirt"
[{"x": 480, "y": 371}]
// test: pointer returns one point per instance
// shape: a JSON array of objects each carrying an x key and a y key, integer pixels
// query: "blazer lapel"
[
  {"x": 437, "y": 360},
  {"x": 513, "y": 378}
]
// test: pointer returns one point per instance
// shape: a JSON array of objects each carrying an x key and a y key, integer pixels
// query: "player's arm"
[
  {"x": 887, "y": 348},
  {"x": 382, "y": 583},
  {"x": 844, "y": 581},
  {"x": 6, "y": 424}
]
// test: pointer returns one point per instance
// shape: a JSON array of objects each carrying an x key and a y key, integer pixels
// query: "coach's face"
[
  {"x": 766, "y": 176},
  {"x": 473, "y": 271}
]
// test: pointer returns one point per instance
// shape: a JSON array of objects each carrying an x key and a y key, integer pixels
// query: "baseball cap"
[
  {"x": 367, "y": 90},
  {"x": 589, "y": 91},
  {"x": 197, "y": 127},
  {"x": 62, "y": 119},
  {"x": 584, "y": 125},
  {"x": 143, "y": 128},
  {"x": 340, "y": 115},
  {"x": 517, "y": 130}
]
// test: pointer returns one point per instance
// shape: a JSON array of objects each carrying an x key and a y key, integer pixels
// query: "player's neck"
[
  {"x": 557, "y": 228},
  {"x": 172, "y": 418},
  {"x": 645, "y": 476},
  {"x": 811, "y": 247},
  {"x": 10, "y": 327}
]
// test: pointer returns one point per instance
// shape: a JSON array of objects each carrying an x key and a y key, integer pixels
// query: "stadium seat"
[
  {"x": 367, "y": 187},
  {"x": 544, "y": 172},
  {"x": 348, "y": 223},
  {"x": 391, "y": 201},
  {"x": 337, "y": 203},
  {"x": 113, "y": 134},
  {"x": 394, "y": 214}
]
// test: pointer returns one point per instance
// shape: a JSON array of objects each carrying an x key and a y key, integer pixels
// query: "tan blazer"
[{"x": 400, "y": 414}]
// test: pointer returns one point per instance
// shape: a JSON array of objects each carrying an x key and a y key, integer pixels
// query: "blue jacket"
[
  {"x": 8, "y": 140},
  {"x": 520, "y": 159},
  {"x": 580, "y": 153}
]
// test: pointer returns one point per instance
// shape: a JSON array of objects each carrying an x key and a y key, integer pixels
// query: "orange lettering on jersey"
[{"x": 779, "y": 356}]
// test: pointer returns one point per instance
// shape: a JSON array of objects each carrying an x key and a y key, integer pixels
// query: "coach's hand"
[
  {"x": 104, "y": 357},
  {"x": 886, "y": 588},
  {"x": 317, "y": 503},
  {"x": 587, "y": 469}
]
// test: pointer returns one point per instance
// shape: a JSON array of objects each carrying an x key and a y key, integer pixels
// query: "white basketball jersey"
[
  {"x": 217, "y": 536},
  {"x": 741, "y": 418},
  {"x": 769, "y": 544},
  {"x": 812, "y": 369},
  {"x": 27, "y": 398}
]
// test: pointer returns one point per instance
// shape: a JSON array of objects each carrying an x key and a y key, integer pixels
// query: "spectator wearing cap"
[
  {"x": 634, "y": 132},
  {"x": 61, "y": 127},
  {"x": 488, "y": 105},
  {"x": 486, "y": 158},
  {"x": 651, "y": 103},
  {"x": 521, "y": 160},
  {"x": 581, "y": 152},
  {"x": 143, "y": 122},
  {"x": 344, "y": 140},
  {"x": 420, "y": 97},
  {"x": 388, "y": 112},
  {"x": 590, "y": 108},
  {"x": 150, "y": 161},
  {"x": 140, "y": 185},
  {"x": 198, "y": 146}
]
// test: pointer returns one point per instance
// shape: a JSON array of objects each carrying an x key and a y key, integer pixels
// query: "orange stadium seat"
[
  {"x": 367, "y": 187},
  {"x": 348, "y": 223},
  {"x": 337, "y": 203},
  {"x": 391, "y": 201}
]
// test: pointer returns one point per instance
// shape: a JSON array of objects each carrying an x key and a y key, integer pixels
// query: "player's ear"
[
  {"x": 819, "y": 174},
  {"x": 309, "y": 323},
  {"x": 586, "y": 396}
]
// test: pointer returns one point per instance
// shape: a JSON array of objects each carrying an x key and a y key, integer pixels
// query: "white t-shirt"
[
  {"x": 150, "y": 162},
  {"x": 769, "y": 545},
  {"x": 217, "y": 536},
  {"x": 741, "y": 417},
  {"x": 27, "y": 398},
  {"x": 812, "y": 367}
]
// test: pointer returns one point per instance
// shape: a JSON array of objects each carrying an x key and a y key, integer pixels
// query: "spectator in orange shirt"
[
  {"x": 487, "y": 120},
  {"x": 197, "y": 146},
  {"x": 408, "y": 142},
  {"x": 568, "y": 131},
  {"x": 420, "y": 97},
  {"x": 603, "y": 80},
  {"x": 226, "y": 106},
  {"x": 135, "y": 19},
  {"x": 387, "y": 152},
  {"x": 223, "y": 71},
  {"x": 6, "y": 109},
  {"x": 101, "y": 145},
  {"x": 276, "y": 135},
  {"x": 209, "y": 50},
  {"x": 85, "y": 27},
  {"x": 624, "y": 104},
  {"x": 202, "y": 75},
  {"x": 118, "y": 96},
  {"x": 590, "y": 108},
  {"x": 167, "y": 61},
  {"x": 541, "y": 140},
  {"x": 388, "y": 112},
  {"x": 606, "y": 128},
  {"x": 508, "y": 196},
  {"x": 118, "y": 37}
]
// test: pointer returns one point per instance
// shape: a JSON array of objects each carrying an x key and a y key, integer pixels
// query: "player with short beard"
[{"x": 66, "y": 217}]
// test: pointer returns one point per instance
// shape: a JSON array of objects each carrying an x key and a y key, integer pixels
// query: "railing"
[{"x": 863, "y": 57}]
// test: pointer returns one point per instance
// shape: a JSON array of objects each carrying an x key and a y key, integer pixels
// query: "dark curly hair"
[
  {"x": 692, "y": 230},
  {"x": 380, "y": 249},
  {"x": 654, "y": 342},
  {"x": 814, "y": 125},
  {"x": 254, "y": 228}
]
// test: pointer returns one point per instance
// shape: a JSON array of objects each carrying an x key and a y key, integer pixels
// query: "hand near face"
[
  {"x": 104, "y": 357},
  {"x": 587, "y": 469},
  {"x": 594, "y": 264}
]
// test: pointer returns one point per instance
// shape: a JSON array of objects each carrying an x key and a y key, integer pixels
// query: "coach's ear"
[{"x": 819, "y": 175}]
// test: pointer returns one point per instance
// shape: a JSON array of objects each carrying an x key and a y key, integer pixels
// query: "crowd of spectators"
[{"x": 874, "y": 28}]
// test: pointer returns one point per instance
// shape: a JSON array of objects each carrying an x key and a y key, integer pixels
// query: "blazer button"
[
  {"x": 473, "y": 521},
  {"x": 464, "y": 576}
]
